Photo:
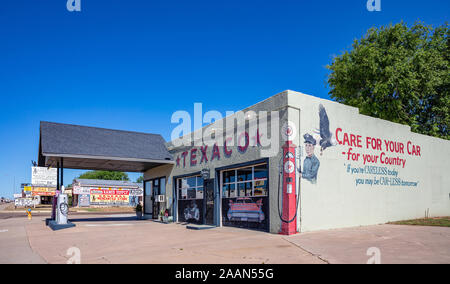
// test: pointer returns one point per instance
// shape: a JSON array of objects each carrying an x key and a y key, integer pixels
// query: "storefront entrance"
[
  {"x": 209, "y": 202},
  {"x": 190, "y": 199},
  {"x": 148, "y": 198},
  {"x": 245, "y": 197},
  {"x": 152, "y": 190}
]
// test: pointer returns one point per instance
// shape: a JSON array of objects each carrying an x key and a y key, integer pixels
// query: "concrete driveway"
[
  {"x": 120, "y": 239},
  {"x": 14, "y": 244},
  {"x": 394, "y": 243}
]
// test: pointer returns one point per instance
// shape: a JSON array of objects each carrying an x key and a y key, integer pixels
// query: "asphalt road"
[{"x": 8, "y": 214}]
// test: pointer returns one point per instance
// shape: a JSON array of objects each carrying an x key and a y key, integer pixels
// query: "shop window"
[
  {"x": 182, "y": 194},
  {"x": 229, "y": 176},
  {"x": 245, "y": 197},
  {"x": 190, "y": 182},
  {"x": 245, "y": 182},
  {"x": 191, "y": 193},
  {"x": 190, "y": 188},
  {"x": 162, "y": 189},
  {"x": 233, "y": 192},
  {"x": 245, "y": 189},
  {"x": 261, "y": 172},
  {"x": 225, "y": 191},
  {"x": 244, "y": 174},
  {"x": 260, "y": 187},
  {"x": 199, "y": 193},
  {"x": 199, "y": 181}
]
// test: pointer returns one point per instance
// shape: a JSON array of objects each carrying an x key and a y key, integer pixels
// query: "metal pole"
[
  {"x": 62, "y": 171},
  {"x": 57, "y": 189},
  {"x": 57, "y": 176}
]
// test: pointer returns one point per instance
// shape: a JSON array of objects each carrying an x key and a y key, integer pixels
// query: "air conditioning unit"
[{"x": 161, "y": 198}]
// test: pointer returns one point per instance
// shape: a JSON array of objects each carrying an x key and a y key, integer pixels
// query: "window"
[
  {"x": 245, "y": 182},
  {"x": 155, "y": 187},
  {"x": 190, "y": 187},
  {"x": 229, "y": 176},
  {"x": 148, "y": 188},
  {"x": 162, "y": 188}
]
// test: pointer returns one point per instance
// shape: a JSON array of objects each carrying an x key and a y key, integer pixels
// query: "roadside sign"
[{"x": 43, "y": 176}]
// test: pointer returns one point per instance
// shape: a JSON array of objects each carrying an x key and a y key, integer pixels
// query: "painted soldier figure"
[{"x": 311, "y": 164}]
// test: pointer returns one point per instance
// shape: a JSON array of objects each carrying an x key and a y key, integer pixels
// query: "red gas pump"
[{"x": 289, "y": 201}]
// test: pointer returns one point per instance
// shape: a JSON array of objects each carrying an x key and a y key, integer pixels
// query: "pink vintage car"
[{"x": 244, "y": 209}]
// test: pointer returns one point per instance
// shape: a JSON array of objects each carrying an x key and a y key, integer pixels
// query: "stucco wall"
[
  {"x": 277, "y": 102},
  {"x": 336, "y": 201},
  {"x": 418, "y": 187}
]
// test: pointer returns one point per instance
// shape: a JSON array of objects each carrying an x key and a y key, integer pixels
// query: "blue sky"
[{"x": 129, "y": 64}]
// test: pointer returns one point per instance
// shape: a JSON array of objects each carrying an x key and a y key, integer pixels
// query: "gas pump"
[
  {"x": 62, "y": 208},
  {"x": 61, "y": 212},
  {"x": 288, "y": 180}
]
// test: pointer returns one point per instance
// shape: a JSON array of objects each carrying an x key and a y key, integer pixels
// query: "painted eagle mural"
[{"x": 326, "y": 137}]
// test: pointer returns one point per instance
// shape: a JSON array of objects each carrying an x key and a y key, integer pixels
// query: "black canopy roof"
[{"x": 93, "y": 148}]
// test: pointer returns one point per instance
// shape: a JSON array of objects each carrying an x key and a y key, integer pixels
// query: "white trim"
[{"x": 108, "y": 158}]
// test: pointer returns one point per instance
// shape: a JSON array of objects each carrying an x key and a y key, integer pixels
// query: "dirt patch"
[{"x": 437, "y": 221}]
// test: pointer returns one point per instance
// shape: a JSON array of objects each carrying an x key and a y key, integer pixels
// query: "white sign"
[
  {"x": 136, "y": 192},
  {"x": 25, "y": 202},
  {"x": 81, "y": 190},
  {"x": 17, "y": 195},
  {"x": 43, "y": 176}
]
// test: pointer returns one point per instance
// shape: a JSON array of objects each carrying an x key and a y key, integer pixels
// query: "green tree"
[
  {"x": 105, "y": 175},
  {"x": 398, "y": 73},
  {"x": 140, "y": 179}
]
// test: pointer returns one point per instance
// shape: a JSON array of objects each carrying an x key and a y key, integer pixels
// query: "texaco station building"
[{"x": 291, "y": 163}]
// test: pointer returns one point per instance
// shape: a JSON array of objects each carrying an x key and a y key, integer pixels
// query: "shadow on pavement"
[{"x": 106, "y": 219}]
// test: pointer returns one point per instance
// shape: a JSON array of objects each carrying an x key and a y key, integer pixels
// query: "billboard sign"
[
  {"x": 43, "y": 191},
  {"x": 43, "y": 176},
  {"x": 109, "y": 197}
]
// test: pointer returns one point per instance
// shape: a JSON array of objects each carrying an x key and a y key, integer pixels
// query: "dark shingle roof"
[{"x": 66, "y": 139}]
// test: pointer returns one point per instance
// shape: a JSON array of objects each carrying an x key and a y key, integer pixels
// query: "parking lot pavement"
[
  {"x": 396, "y": 244},
  {"x": 143, "y": 241},
  {"x": 146, "y": 241},
  {"x": 122, "y": 239},
  {"x": 14, "y": 245}
]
